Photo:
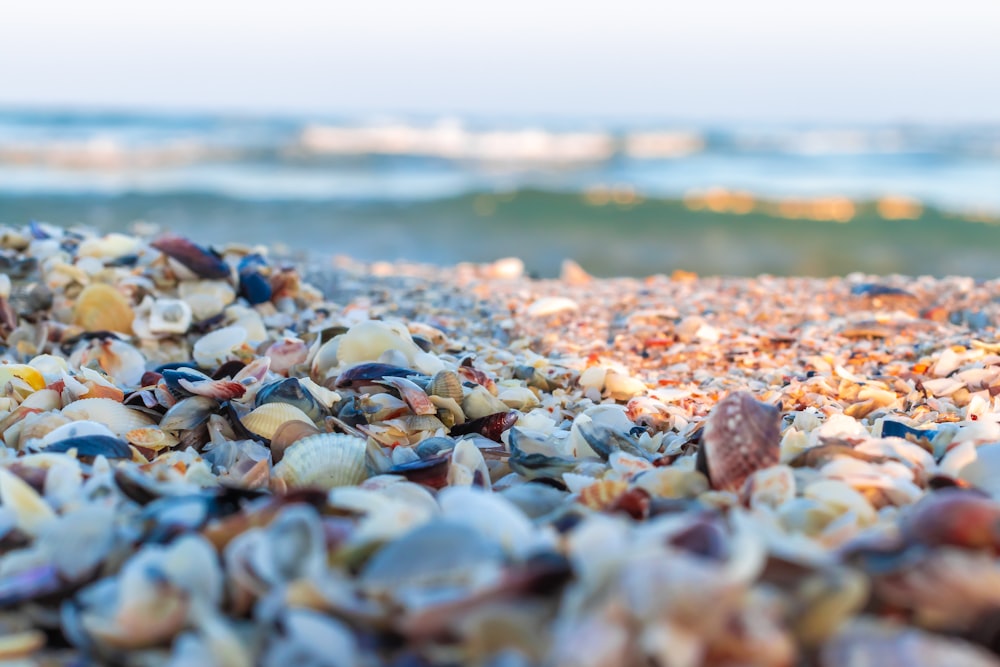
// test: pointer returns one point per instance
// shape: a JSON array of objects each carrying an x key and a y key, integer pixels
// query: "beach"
[{"x": 218, "y": 455}]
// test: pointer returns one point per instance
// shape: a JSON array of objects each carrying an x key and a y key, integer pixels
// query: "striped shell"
[
  {"x": 288, "y": 434},
  {"x": 117, "y": 417},
  {"x": 446, "y": 384},
  {"x": 741, "y": 436},
  {"x": 603, "y": 494},
  {"x": 324, "y": 461},
  {"x": 265, "y": 420}
]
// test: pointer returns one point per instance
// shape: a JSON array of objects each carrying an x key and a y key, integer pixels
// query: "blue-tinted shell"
[{"x": 255, "y": 287}]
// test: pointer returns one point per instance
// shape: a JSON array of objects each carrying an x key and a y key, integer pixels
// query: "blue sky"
[{"x": 746, "y": 60}]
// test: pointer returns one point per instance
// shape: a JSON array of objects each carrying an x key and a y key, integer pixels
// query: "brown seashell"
[
  {"x": 490, "y": 426},
  {"x": 603, "y": 494},
  {"x": 741, "y": 436},
  {"x": 955, "y": 517},
  {"x": 204, "y": 263},
  {"x": 288, "y": 434},
  {"x": 446, "y": 384},
  {"x": 101, "y": 307}
]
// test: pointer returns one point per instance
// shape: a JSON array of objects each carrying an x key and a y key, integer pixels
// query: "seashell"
[
  {"x": 772, "y": 487},
  {"x": 30, "y": 376},
  {"x": 202, "y": 262},
  {"x": 93, "y": 446},
  {"x": 75, "y": 429},
  {"x": 37, "y": 426},
  {"x": 824, "y": 601},
  {"x": 490, "y": 426},
  {"x": 122, "y": 362},
  {"x": 290, "y": 391},
  {"x": 325, "y": 461},
  {"x": 286, "y": 353},
  {"x": 622, "y": 387},
  {"x": 982, "y": 470},
  {"x": 221, "y": 345},
  {"x": 117, "y": 417},
  {"x": 672, "y": 482},
  {"x": 51, "y": 367},
  {"x": 189, "y": 413},
  {"x": 468, "y": 467},
  {"x": 367, "y": 341},
  {"x": 266, "y": 419},
  {"x": 741, "y": 436},
  {"x": 518, "y": 398},
  {"x": 287, "y": 435},
  {"x": 413, "y": 423},
  {"x": 31, "y": 512},
  {"x": 602, "y": 494},
  {"x": 865, "y": 641},
  {"x": 16, "y": 646},
  {"x": 436, "y": 555},
  {"x": 431, "y": 472},
  {"x": 44, "y": 399},
  {"x": 446, "y": 384},
  {"x": 170, "y": 316},
  {"x": 414, "y": 396},
  {"x": 101, "y": 307},
  {"x": 491, "y": 515},
  {"x": 255, "y": 285},
  {"x": 551, "y": 305},
  {"x": 206, "y": 298},
  {"x": 381, "y": 407},
  {"x": 955, "y": 517},
  {"x": 367, "y": 374},
  {"x": 151, "y": 437},
  {"x": 481, "y": 403}
]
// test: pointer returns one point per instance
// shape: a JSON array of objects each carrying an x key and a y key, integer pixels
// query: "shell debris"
[{"x": 215, "y": 457}]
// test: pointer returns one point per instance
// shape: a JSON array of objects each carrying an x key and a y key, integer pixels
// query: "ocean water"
[{"x": 441, "y": 189}]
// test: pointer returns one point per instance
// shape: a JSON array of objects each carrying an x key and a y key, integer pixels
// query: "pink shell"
[{"x": 741, "y": 436}]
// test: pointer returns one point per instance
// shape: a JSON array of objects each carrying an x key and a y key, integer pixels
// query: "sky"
[{"x": 742, "y": 60}]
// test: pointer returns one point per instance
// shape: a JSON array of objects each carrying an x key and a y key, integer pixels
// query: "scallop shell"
[
  {"x": 101, "y": 307},
  {"x": 446, "y": 384},
  {"x": 325, "y": 461},
  {"x": 217, "y": 347},
  {"x": 265, "y": 420},
  {"x": 117, "y": 417},
  {"x": 742, "y": 435}
]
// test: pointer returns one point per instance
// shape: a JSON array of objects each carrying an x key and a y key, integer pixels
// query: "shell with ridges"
[
  {"x": 446, "y": 384},
  {"x": 325, "y": 461},
  {"x": 265, "y": 420},
  {"x": 117, "y": 417},
  {"x": 741, "y": 436}
]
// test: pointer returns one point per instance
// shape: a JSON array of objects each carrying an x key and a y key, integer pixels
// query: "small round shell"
[
  {"x": 265, "y": 420},
  {"x": 325, "y": 461},
  {"x": 446, "y": 384}
]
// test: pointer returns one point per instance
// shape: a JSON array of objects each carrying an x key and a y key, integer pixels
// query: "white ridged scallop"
[
  {"x": 324, "y": 461},
  {"x": 265, "y": 420}
]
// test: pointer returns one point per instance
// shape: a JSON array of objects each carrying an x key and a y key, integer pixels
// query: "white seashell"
[
  {"x": 249, "y": 319},
  {"x": 622, "y": 387},
  {"x": 491, "y": 515},
  {"x": 550, "y": 305},
  {"x": 265, "y": 420},
  {"x": 593, "y": 378},
  {"x": 206, "y": 298},
  {"x": 481, "y": 403},
  {"x": 44, "y": 400},
  {"x": 76, "y": 429},
  {"x": 367, "y": 341},
  {"x": 983, "y": 471},
  {"x": 840, "y": 497},
  {"x": 170, "y": 316},
  {"x": 4, "y": 286},
  {"x": 518, "y": 398},
  {"x": 576, "y": 483},
  {"x": 325, "y": 461},
  {"x": 51, "y": 367},
  {"x": 30, "y": 509},
  {"x": 468, "y": 467},
  {"x": 216, "y": 348},
  {"x": 612, "y": 416},
  {"x": 323, "y": 359},
  {"x": 117, "y": 417},
  {"x": 111, "y": 246}
]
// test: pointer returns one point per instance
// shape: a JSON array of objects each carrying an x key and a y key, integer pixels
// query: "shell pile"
[{"x": 210, "y": 459}]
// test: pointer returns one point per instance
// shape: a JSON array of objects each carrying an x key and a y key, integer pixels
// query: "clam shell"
[
  {"x": 325, "y": 461},
  {"x": 288, "y": 434},
  {"x": 117, "y": 417},
  {"x": 200, "y": 261},
  {"x": 265, "y": 420},
  {"x": 189, "y": 413},
  {"x": 741, "y": 436},
  {"x": 217, "y": 347},
  {"x": 93, "y": 445},
  {"x": 367, "y": 341},
  {"x": 151, "y": 437},
  {"x": 446, "y": 384},
  {"x": 76, "y": 429}
]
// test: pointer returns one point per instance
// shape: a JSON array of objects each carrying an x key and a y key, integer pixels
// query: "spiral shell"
[
  {"x": 741, "y": 436},
  {"x": 325, "y": 461}
]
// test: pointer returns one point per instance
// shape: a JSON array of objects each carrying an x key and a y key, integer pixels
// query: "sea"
[{"x": 624, "y": 196}]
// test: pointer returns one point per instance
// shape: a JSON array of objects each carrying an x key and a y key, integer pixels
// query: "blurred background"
[{"x": 721, "y": 137}]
